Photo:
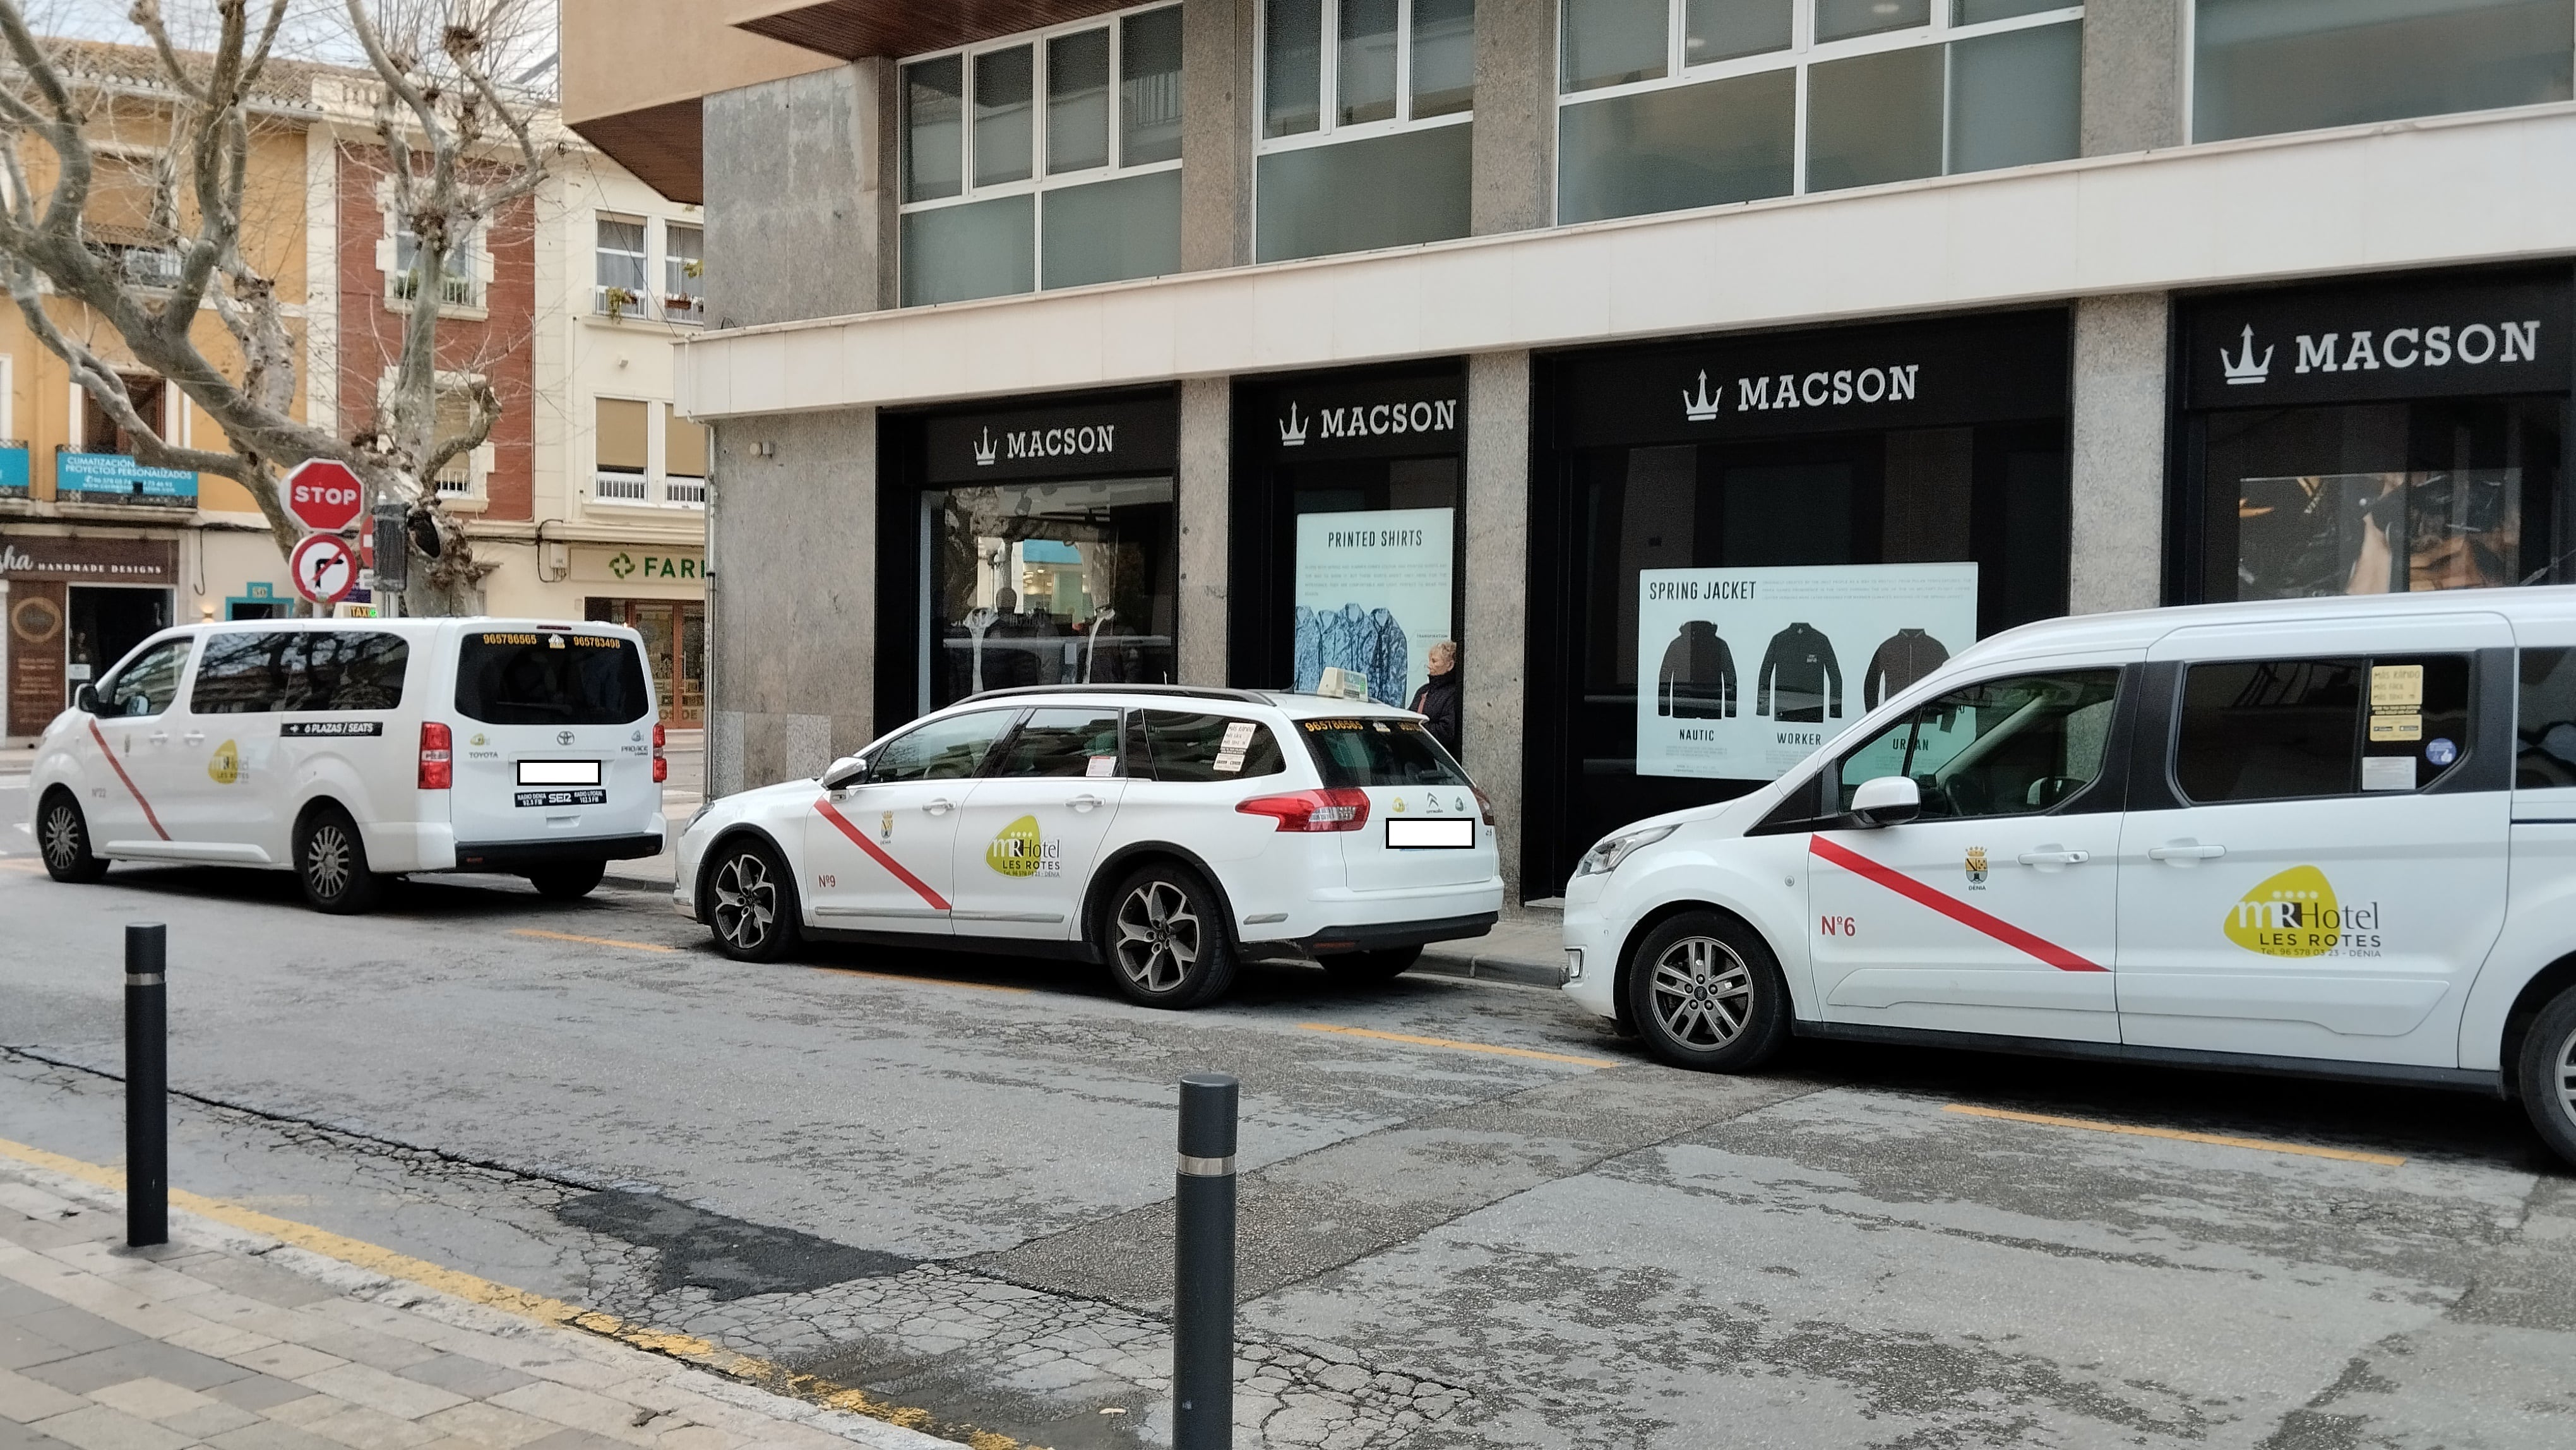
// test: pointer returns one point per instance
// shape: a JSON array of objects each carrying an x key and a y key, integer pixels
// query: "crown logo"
[
  {"x": 1703, "y": 408},
  {"x": 1292, "y": 429},
  {"x": 2244, "y": 369},
  {"x": 984, "y": 450}
]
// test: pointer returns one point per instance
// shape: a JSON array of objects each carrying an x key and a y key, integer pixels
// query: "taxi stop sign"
[{"x": 322, "y": 494}]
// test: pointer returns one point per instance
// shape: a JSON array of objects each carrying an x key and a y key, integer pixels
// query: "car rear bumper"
[
  {"x": 528, "y": 855},
  {"x": 1385, "y": 936},
  {"x": 398, "y": 846}
]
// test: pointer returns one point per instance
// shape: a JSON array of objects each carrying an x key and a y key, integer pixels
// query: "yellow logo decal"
[
  {"x": 1021, "y": 852},
  {"x": 2294, "y": 914},
  {"x": 1399, "y": 804},
  {"x": 1976, "y": 865},
  {"x": 885, "y": 827},
  {"x": 226, "y": 766}
]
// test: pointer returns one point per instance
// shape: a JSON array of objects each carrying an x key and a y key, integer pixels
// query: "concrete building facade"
[{"x": 1636, "y": 345}]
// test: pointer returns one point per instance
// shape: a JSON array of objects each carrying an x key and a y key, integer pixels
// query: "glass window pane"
[
  {"x": 1367, "y": 61},
  {"x": 983, "y": 249},
  {"x": 1076, "y": 743},
  {"x": 2263, "y": 66},
  {"x": 246, "y": 674},
  {"x": 1977, "y": 12},
  {"x": 2013, "y": 97},
  {"x": 621, "y": 254},
  {"x": 1725, "y": 29},
  {"x": 1874, "y": 118},
  {"x": 2545, "y": 720},
  {"x": 1444, "y": 56},
  {"x": 1149, "y": 88},
  {"x": 344, "y": 671},
  {"x": 1192, "y": 748},
  {"x": 1292, "y": 66},
  {"x": 1110, "y": 231},
  {"x": 2006, "y": 747},
  {"x": 1388, "y": 191},
  {"x": 1842, "y": 19},
  {"x": 2269, "y": 730},
  {"x": 1002, "y": 89},
  {"x": 1068, "y": 582},
  {"x": 1703, "y": 145},
  {"x": 934, "y": 141},
  {"x": 1078, "y": 101},
  {"x": 1610, "y": 41},
  {"x": 950, "y": 749}
]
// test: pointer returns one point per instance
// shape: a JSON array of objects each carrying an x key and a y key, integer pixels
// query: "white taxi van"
[
  {"x": 354, "y": 750},
  {"x": 2329, "y": 837},
  {"x": 1163, "y": 831}
]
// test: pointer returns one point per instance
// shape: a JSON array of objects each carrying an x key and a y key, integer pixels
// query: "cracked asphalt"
[{"x": 946, "y": 1180}]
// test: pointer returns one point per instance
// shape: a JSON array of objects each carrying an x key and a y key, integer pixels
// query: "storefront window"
[
  {"x": 1365, "y": 139},
  {"x": 2265, "y": 66}
]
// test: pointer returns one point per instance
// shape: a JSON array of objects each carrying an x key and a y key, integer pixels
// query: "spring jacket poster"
[
  {"x": 1373, "y": 592},
  {"x": 1742, "y": 673}
]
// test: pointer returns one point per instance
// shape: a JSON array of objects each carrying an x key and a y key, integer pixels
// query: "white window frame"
[
  {"x": 466, "y": 264},
  {"x": 478, "y": 461},
  {"x": 659, "y": 242},
  {"x": 658, "y": 488},
  {"x": 2189, "y": 71},
  {"x": 1039, "y": 180},
  {"x": 1804, "y": 51},
  {"x": 1327, "y": 130},
  {"x": 646, "y": 304}
]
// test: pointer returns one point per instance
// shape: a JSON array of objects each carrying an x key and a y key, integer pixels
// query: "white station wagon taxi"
[
  {"x": 2328, "y": 837},
  {"x": 1164, "y": 831}
]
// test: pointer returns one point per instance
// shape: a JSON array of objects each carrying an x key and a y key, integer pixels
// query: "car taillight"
[
  {"x": 1340, "y": 809},
  {"x": 1484, "y": 803},
  {"x": 661, "y": 766},
  {"x": 437, "y": 757}
]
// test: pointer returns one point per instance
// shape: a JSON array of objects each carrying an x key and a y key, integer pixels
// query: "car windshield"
[
  {"x": 1366, "y": 752},
  {"x": 550, "y": 677}
]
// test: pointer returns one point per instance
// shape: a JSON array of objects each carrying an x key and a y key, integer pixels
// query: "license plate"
[
  {"x": 563, "y": 797},
  {"x": 558, "y": 772},
  {"x": 1451, "y": 834}
]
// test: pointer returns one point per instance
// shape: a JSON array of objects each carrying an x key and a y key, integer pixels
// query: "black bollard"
[
  {"x": 1203, "y": 1266},
  {"x": 147, "y": 1086}
]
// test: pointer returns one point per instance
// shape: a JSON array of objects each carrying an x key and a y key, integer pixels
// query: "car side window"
[
  {"x": 1057, "y": 743},
  {"x": 2018, "y": 745},
  {"x": 246, "y": 673},
  {"x": 348, "y": 670},
  {"x": 949, "y": 749},
  {"x": 148, "y": 685},
  {"x": 1186, "y": 746},
  {"x": 2544, "y": 726},
  {"x": 2299, "y": 729}
]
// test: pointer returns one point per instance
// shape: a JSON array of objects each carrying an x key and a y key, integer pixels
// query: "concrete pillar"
[
  {"x": 1217, "y": 129},
  {"x": 2118, "y": 461},
  {"x": 2133, "y": 76},
  {"x": 1515, "y": 146},
  {"x": 1493, "y": 640},
  {"x": 1206, "y": 501}
]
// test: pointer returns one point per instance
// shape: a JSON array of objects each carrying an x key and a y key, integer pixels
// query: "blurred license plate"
[
  {"x": 1456, "y": 832},
  {"x": 563, "y": 797},
  {"x": 558, "y": 772}
]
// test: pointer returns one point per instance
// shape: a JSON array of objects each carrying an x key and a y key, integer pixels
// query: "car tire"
[
  {"x": 749, "y": 900},
  {"x": 1165, "y": 939},
  {"x": 62, "y": 837},
  {"x": 331, "y": 864},
  {"x": 569, "y": 882},
  {"x": 1707, "y": 993},
  {"x": 2547, "y": 1074},
  {"x": 1371, "y": 969}
]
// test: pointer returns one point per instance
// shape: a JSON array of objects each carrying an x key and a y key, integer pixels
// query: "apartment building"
[{"x": 1705, "y": 370}]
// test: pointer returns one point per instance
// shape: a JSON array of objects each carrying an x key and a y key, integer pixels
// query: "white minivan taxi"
[
  {"x": 2331, "y": 837},
  {"x": 1163, "y": 831},
  {"x": 353, "y": 750}
]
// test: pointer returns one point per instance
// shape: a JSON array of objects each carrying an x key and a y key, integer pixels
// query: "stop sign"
[{"x": 322, "y": 494}]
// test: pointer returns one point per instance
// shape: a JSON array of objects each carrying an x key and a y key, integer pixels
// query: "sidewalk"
[{"x": 223, "y": 1339}]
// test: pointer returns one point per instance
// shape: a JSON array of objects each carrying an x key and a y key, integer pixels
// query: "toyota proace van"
[
  {"x": 2333, "y": 837},
  {"x": 354, "y": 750}
]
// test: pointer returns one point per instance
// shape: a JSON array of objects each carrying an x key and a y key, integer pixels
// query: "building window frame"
[
  {"x": 1040, "y": 179},
  {"x": 1802, "y": 54},
  {"x": 2189, "y": 73},
  {"x": 654, "y": 486},
  {"x": 1329, "y": 130}
]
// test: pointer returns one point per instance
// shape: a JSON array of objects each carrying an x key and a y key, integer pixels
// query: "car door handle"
[
  {"x": 194, "y": 737},
  {"x": 159, "y": 737},
  {"x": 2051, "y": 856},
  {"x": 939, "y": 807},
  {"x": 2185, "y": 852},
  {"x": 1086, "y": 802}
]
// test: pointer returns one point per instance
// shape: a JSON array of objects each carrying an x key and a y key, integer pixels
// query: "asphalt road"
[{"x": 946, "y": 1179}]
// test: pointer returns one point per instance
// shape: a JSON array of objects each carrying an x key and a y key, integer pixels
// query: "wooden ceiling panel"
[
  {"x": 854, "y": 28},
  {"x": 663, "y": 145}
]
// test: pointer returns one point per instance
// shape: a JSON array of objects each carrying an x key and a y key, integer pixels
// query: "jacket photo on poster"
[
  {"x": 1796, "y": 672},
  {"x": 1372, "y": 594},
  {"x": 1908, "y": 655},
  {"x": 1697, "y": 681}
]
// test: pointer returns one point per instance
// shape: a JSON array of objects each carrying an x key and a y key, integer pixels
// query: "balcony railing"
[
  {"x": 456, "y": 480},
  {"x": 141, "y": 266},
  {"x": 685, "y": 492},
  {"x": 453, "y": 290},
  {"x": 618, "y": 487},
  {"x": 684, "y": 307}
]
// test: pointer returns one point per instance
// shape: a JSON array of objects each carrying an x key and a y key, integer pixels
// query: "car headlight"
[{"x": 1604, "y": 858}]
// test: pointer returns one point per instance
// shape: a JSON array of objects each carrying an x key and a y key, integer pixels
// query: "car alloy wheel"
[
  {"x": 327, "y": 861},
  {"x": 1703, "y": 992},
  {"x": 1159, "y": 936},
  {"x": 746, "y": 911},
  {"x": 2562, "y": 1069},
  {"x": 63, "y": 845}
]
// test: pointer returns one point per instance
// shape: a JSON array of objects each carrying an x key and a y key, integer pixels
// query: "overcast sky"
[{"x": 315, "y": 29}]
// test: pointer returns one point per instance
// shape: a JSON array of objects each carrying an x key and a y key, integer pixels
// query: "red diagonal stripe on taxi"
[
  {"x": 1953, "y": 908},
  {"x": 129, "y": 781},
  {"x": 859, "y": 839}
]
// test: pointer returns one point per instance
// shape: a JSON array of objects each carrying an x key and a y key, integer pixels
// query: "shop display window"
[
  {"x": 2266, "y": 66},
  {"x": 1050, "y": 584}
]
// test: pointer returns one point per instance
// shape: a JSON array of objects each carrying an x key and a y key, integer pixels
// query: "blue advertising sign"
[
  {"x": 118, "y": 475},
  {"x": 13, "y": 470}
]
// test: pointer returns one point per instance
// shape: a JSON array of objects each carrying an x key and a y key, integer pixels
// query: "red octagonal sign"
[{"x": 322, "y": 494}]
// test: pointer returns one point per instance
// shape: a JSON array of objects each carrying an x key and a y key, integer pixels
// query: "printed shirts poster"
[
  {"x": 1742, "y": 673},
  {"x": 1372, "y": 597}
]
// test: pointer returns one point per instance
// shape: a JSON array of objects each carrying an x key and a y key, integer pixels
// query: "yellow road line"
[
  {"x": 1457, "y": 1046},
  {"x": 596, "y": 941},
  {"x": 527, "y": 1305},
  {"x": 36, "y": 867},
  {"x": 2346, "y": 1155},
  {"x": 930, "y": 981}
]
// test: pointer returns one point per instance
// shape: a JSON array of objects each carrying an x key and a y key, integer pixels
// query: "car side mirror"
[
  {"x": 847, "y": 771},
  {"x": 1890, "y": 800},
  {"x": 85, "y": 699}
]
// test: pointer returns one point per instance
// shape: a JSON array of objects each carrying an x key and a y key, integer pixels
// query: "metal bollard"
[
  {"x": 1203, "y": 1266},
  {"x": 147, "y": 1086}
]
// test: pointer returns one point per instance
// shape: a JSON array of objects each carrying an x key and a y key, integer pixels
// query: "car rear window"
[
  {"x": 1179, "y": 745},
  {"x": 307, "y": 671},
  {"x": 1366, "y": 752},
  {"x": 550, "y": 677}
]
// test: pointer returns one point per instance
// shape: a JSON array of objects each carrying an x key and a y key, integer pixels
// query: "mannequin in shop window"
[{"x": 1438, "y": 699}]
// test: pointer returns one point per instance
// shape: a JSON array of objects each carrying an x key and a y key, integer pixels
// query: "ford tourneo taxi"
[
  {"x": 1162, "y": 831},
  {"x": 2332, "y": 837},
  {"x": 354, "y": 750}
]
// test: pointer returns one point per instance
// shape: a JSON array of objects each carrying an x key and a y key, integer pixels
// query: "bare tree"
[{"x": 461, "y": 147}]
